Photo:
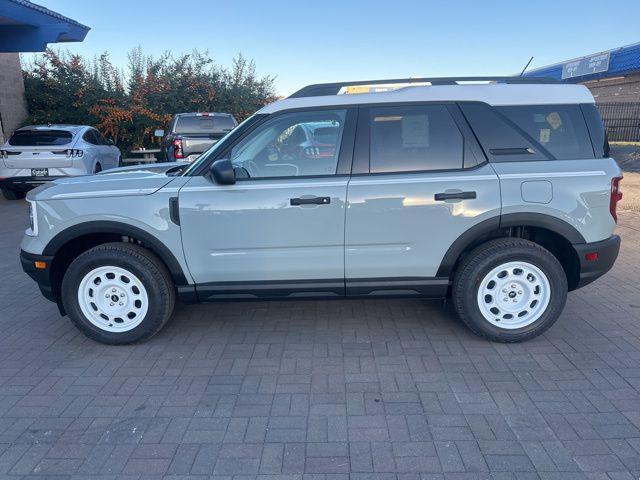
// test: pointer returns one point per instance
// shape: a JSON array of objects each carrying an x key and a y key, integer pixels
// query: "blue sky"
[{"x": 302, "y": 42}]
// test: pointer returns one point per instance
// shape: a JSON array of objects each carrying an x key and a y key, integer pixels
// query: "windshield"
[
  {"x": 35, "y": 138},
  {"x": 221, "y": 144}
]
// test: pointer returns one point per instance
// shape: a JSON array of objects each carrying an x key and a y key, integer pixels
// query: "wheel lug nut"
[
  {"x": 519, "y": 292},
  {"x": 111, "y": 304},
  {"x": 122, "y": 294},
  {"x": 120, "y": 303},
  {"x": 113, "y": 289},
  {"x": 504, "y": 290},
  {"x": 106, "y": 295}
]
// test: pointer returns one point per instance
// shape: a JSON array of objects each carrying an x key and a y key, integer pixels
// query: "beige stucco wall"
[{"x": 13, "y": 108}]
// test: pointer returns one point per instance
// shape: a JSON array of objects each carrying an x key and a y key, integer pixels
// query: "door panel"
[
  {"x": 250, "y": 231},
  {"x": 421, "y": 184},
  {"x": 396, "y": 228},
  {"x": 279, "y": 230}
]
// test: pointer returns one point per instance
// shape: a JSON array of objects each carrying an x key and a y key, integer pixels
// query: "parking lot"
[{"x": 371, "y": 389}]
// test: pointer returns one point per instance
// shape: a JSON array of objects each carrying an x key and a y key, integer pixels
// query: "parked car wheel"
[
  {"x": 118, "y": 293},
  {"x": 97, "y": 168},
  {"x": 12, "y": 194},
  {"x": 509, "y": 290},
  {"x": 120, "y": 161}
]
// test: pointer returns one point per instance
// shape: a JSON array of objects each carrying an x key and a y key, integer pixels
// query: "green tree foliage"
[{"x": 129, "y": 105}]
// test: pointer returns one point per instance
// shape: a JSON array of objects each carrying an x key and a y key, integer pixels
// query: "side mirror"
[
  {"x": 222, "y": 172},
  {"x": 158, "y": 133}
]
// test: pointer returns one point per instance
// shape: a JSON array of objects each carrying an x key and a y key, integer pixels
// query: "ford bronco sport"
[{"x": 497, "y": 192}]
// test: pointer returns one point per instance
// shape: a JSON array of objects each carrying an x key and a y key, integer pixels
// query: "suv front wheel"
[
  {"x": 118, "y": 293},
  {"x": 509, "y": 290}
]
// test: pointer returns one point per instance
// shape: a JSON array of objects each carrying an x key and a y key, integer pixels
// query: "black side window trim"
[
  {"x": 594, "y": 122},
  {"x": 362, "y": 146}
]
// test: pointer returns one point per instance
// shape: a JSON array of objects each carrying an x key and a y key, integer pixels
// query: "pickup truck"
[{"x": 190, "y": 134}]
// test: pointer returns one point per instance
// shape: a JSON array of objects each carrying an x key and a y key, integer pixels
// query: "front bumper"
[
  {"x": 25, "y": 183},
  {"x": 607, "y": 252},
  {"x": 41, "y": 276}
]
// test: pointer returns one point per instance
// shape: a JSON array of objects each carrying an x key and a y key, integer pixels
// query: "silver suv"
[{"x": 498, "y": 193}]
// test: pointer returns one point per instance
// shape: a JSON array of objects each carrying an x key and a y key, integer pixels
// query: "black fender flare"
[
  {"x": 487, "y": 226},
  {"x": 119, "y": 228}
]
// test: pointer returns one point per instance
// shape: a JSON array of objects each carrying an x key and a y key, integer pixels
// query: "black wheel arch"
[
  {"x": 67, "y": 244},
  {"x": 498, "y": 226}
]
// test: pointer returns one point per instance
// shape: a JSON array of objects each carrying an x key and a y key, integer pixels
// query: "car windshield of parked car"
[
  {"x": 204, "y": 124},
  {"x": 36, "y": 138}
]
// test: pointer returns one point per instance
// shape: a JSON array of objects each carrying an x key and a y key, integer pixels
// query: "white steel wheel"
[
  {"x": 514, "y": 295},
  {"x": 113, "y": 299}
]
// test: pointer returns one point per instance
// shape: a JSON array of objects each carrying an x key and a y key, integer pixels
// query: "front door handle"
[
  {"x": 310, "y": 201},
  {"x": 441, "y": 197}
]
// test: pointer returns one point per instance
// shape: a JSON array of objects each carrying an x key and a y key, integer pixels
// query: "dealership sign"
[{"x": 586, "y": 66}]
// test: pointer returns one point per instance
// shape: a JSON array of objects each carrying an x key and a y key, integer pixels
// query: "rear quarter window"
[
  {"x": 37, "y": 138},
  {"x": 560, "y": 129}
]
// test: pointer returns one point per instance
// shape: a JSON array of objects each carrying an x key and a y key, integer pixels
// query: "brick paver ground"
[{"x": 376, "y": 389}]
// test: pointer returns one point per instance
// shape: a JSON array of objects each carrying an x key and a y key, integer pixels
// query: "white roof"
[{"x": 492, "y": 93}]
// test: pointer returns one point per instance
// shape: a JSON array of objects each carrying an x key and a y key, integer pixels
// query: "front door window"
[{"x": 297, "y": 144}]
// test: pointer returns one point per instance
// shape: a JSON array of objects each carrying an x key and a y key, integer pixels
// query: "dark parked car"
[{"x": 190, "y": 134}]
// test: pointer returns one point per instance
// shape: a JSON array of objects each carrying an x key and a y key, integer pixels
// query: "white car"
[{"x": 40, "y": 153}]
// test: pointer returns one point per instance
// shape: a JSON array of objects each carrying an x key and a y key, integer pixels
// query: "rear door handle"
[
  {"x": 310, "y": 201},
  {"x": 441, "y": 197}
]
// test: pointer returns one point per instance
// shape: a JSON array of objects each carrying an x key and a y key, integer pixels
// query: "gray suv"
[{"x": 498, "y": 193}]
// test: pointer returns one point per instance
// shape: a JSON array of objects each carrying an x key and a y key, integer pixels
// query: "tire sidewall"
[
  {"x": 545, "y": 262},
  {"x": 84, "y": 264}
]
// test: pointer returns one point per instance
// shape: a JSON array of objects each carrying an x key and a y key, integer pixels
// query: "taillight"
[
  {"x": 177, "y": 148},
  {"x": 73, "y": 152},
  {"x": 616, "y": 196}
]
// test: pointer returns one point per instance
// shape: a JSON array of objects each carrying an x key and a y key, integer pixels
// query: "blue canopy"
[
  {"x": 612, "y": 63},
  {"x": 27, "y": 27}
]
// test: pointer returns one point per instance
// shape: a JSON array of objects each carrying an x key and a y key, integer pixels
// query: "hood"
[{"x": 118, "y": 182}]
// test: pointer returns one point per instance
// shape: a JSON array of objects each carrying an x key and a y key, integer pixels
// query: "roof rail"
[{"x": 323, "y": 89}]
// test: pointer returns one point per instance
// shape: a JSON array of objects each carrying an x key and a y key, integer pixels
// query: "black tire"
[
  {"x": 119, "y": 161},
  {"x": 97, "y": 168},
  {"x": 12, "y": 194},
  {"x": 482, "y": 260},
  {"x": 140, "y": 262}
]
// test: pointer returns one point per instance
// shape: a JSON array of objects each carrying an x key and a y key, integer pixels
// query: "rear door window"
[
  {"x": 414, "y": 138},
  {"x": 560, "y": 129},
  {"x": 36, "y": 138}
]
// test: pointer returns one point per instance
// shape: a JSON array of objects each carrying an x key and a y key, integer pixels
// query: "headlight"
[{"x": 33, "y": 220}]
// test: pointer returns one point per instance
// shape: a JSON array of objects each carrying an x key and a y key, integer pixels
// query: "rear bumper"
[
  {"x": 41, "y": 276},
  {"x": 25, "y": 183},
  {"x": 607, "y": 251}
]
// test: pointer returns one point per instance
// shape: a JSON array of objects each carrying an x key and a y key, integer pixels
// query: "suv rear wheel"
[
  {"x": 118, "y": 293},
  {"x": 509, "y": 290}
]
